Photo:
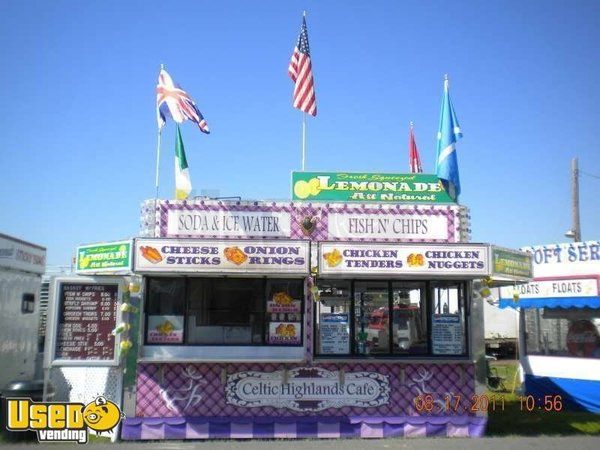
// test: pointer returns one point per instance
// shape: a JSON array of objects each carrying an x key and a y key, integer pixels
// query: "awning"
[{"x": 551, "y": 302}]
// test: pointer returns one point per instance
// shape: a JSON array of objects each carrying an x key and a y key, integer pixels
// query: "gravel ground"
[{"x": 513, "y": 443}]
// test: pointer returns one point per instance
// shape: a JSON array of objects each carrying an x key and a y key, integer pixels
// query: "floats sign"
[
  {"x": 307, "y": 389},
  {"x": 162, "y": 255},
  {"x": 575, "y": 287},
  {"x": 368, "y": 187},
  {"x": 384, "y": 259}
]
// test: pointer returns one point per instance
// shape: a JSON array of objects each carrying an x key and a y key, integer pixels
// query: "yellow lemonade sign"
[{"x": 368, "y": 187}]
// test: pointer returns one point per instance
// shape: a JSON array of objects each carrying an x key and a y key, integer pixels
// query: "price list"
[
  {"x": 446, "y": 334},
  {"x": 334, "y": 334},
  {"x": 87, "y": 315}
]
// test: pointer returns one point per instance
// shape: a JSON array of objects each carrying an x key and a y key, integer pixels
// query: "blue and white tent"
[{"x": 560, "y": 324}]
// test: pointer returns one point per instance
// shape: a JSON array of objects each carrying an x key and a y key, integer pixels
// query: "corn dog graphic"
[{"x": 151, "y": 254}]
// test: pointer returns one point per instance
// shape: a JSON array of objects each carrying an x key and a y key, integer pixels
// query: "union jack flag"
[
  {"x": 300, "y": 71},
  {"x": 174, "y": 102}
]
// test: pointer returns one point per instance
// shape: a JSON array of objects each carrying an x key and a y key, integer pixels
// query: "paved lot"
[{"x": 517, "y": 443}]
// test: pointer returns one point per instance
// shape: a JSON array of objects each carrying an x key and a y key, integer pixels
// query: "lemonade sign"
[
  {"x": 510, "y": 263},
  {"x": 368, "y": 187},
  {"x": 104, "y": 257}
]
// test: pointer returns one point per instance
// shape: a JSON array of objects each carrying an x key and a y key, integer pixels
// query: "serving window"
[
  {"x": 566, "y": 332},
  {"x": 427, "y": 318},
  {"x": 224, "y": 311}
]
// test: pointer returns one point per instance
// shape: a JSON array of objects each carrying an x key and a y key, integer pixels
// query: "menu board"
[
  {"x": 86, "y": 315},
  {"x": 334, "y": 334},
  {"x": 446, "y": 334}
]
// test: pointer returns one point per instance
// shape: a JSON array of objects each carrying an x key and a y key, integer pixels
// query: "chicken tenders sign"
[{"x": 426, "y": 259}]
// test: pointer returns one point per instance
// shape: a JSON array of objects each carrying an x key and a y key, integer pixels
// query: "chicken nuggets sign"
[{"x": 384, "y": 259}]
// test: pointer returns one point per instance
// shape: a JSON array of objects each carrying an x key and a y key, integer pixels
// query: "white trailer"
[
  {"x": 21, "y": 267},
  {"x": 501, "y": 330}
]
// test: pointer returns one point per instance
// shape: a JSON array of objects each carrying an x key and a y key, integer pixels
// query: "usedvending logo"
[{"x": 60, "y": 421}]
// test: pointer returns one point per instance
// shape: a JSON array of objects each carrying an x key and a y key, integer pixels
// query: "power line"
[{"x": 589, "y": 174}]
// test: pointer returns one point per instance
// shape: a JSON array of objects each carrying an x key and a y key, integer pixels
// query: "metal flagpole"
[
  {"x": 303, "y": 139},
  {"x": 303, "y": 124},
  {"x": 410, "y": 155},
  {"x": 162, "y": 66},
  {"x": 157, "y": 162}
]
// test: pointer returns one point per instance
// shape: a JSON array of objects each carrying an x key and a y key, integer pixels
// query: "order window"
[
  {"x": 390, "y": 318},
  {"x": 224, "y": 311},
  {"x": 566, "y": 332}
]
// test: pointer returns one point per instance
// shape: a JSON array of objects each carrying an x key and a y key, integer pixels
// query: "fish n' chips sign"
[{"x": 368, "y": 187}]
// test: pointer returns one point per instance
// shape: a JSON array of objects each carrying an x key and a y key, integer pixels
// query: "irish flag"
[{"x": 183, "y": 184}]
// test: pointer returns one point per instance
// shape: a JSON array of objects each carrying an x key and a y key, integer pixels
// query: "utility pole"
[{"x": 575, "y": 231}]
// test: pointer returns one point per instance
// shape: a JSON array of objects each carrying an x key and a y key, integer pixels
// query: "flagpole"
[
  {"x": 157, "y": 162},
  {"x": 303, "y": 140},
  {"x": 410, "y": 162},
  {"x": 303, "y": 125},
  {"x": 162, "y": 66}
]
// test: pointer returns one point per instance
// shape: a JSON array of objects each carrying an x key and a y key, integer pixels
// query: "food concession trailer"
[{"x": 307, "y": 319}]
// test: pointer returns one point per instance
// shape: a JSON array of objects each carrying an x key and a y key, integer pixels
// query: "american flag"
[
  {"x": 414, "y": 160},
  {"x": 173, "y": 101},
  {"x": 300, "y": 71}
]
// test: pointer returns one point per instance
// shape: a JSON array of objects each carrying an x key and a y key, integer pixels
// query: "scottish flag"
[{"x": 446, "y": 166}]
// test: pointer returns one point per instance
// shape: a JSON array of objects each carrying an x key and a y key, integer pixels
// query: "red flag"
[
  {"x": 414, "y": 160},
  {"x": 300, "y": 71}
]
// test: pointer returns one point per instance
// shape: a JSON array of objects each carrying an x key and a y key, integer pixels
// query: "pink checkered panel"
[{"x": 198, "y": 390}]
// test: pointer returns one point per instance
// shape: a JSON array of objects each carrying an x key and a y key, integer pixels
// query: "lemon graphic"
[
  {"x": 84, "y": 261},
  {"x": 314, "y": 186},
  {"x": 302, "y": 189}
]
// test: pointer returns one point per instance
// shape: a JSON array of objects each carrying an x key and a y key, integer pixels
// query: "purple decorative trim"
[
  {"x": 308, "y": 318},
  {"x": 301, "y": 427}
]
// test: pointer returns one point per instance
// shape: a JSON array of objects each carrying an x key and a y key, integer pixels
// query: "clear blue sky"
[{"x": 78, "y": 132}]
